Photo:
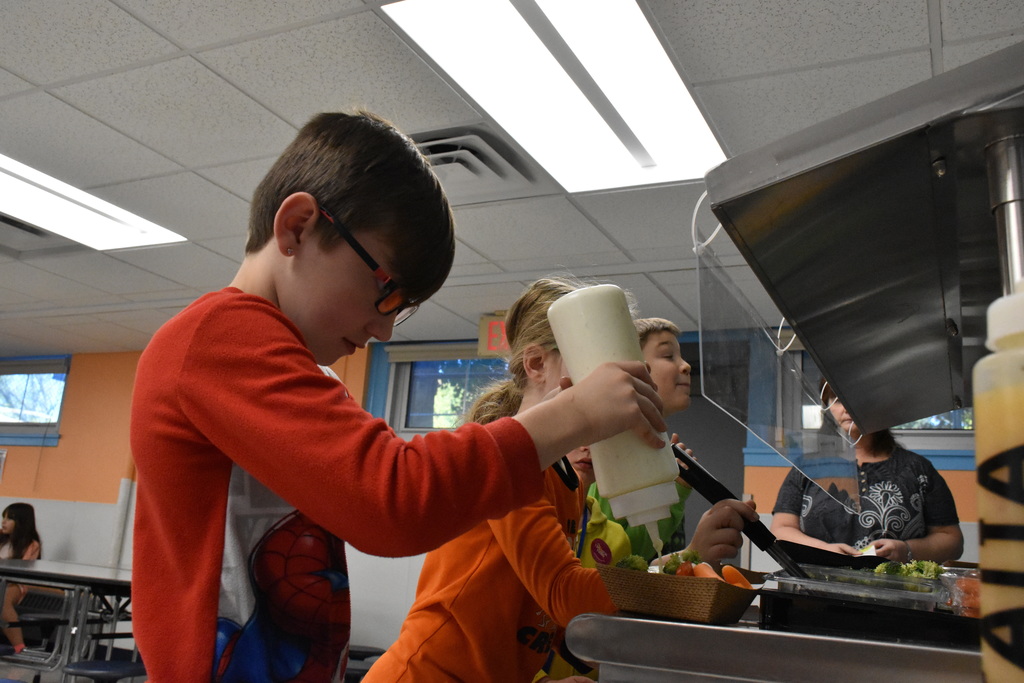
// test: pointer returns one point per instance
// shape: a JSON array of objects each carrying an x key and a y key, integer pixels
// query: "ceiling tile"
[
  {"x": 103, "y": 272},
  {"x": 549, "y": 229},
  {"x": 478, "y": 299},
  {"x": 10, "y": 298},
  {"x": 10, "y": 84},
  {"x": 753, "y": 112},
  {"x": 959, "y": 54},
  {"x": 61, "y": 141},
  {"x": 241, "y": 178},
  {"x": 652, "y": 224},
  {"x": 653, "y": 302},
  {"x": 55, "y": 40},
  {"x": 185, "y": 203},
  {"x": 187, "y": 264},
  {"x": 27, "y": 279},
  {"x": 354, "y": 62},
  {"x": 184, "y": 111},
  {"x": 194, "y": 24},
  {"x": 972, "y": 19},
  {"x": 717, "y": 39},
  {"x": 434, "y": 322},
  {"x": 146, "y": 321},
  {"x": 232, "y": 246}
]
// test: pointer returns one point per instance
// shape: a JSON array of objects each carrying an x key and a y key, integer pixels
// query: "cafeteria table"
[{"x": 96, "y": 596}]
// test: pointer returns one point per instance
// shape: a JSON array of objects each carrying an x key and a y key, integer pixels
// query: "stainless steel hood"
[{"x": 873, "y": 233}]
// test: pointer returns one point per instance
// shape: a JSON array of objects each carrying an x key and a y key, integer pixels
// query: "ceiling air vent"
[{"x": 471, "y": 170}]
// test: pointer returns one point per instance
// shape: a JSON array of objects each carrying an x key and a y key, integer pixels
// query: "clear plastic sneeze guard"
[{"x": 747, "y": 372}]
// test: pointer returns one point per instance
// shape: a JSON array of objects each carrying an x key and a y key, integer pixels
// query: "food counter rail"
[{"x": 637, "y": 650}]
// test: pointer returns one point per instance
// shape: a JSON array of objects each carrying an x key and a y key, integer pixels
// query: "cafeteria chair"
[
  {"x": 108, "y": 668},
  {"x": 45, "y": 615},
  {"x": 360, "y": 659}
]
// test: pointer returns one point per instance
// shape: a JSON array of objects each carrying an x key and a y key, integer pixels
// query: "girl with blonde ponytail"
[{"x": 492, "y": 603}]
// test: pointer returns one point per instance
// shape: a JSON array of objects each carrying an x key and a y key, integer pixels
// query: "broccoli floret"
[
  {"x": 671, "y": 564},
  {"x": 633, "y": 562},
  {"x": 889, "y": 568},
  {"x": 690, "y": 555},
  {"x": 924, "y": 569}
]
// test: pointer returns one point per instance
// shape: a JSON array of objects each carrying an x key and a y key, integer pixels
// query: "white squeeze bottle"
[
  {"x": 999, "y": 448},
  {"x": 593, "y": 326}
]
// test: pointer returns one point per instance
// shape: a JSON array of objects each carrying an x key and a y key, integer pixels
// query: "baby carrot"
[
  {"x": 735, "y": 577},
  {"x": 706, "y": 571}
]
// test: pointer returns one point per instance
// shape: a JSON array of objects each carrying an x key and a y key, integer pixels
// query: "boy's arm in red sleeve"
[{"x": 275, "y": 414}]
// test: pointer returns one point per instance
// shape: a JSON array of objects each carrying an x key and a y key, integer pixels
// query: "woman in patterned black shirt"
[{"x": 906, "y": 509}]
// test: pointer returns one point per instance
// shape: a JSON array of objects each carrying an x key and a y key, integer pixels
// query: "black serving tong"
[{"x": 706, "y": 485}]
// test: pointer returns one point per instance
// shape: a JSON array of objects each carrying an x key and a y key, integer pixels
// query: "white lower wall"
[
  {"x": 87, "y": 533},
  {"x": 383, "y": 589}
]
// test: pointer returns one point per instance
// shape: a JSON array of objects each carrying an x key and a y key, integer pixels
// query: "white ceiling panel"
[
  {"x": 474, "y": 300},
  {"x": 183, "y": 110},
  {"x": 62, "y": 141},
  {"x": 354, "y": 62},
  {"x": 652, "y": 224},
  {"x": 184, "y": 263},
  {"x": 240, "y": 179},
  {"x": 964, "y": 19},
  {"x": 10, "y": 84},
  {"x": 185, "y": 203},
  {"x": 194, "y": 24},
  {"x": 146, "y": 321},
  {"x": 46, "y": 286},
  {"x": 53, "y": 40},
  {"x": 543, "y": 228},
  {"x": 175, "y": 109},
  {"x": 653, "y": 301},
  {"x": 469, "y": 262},
  {"x": 434, "y": 321},
  {"x": 758, "y": 110},
  {"x": 103, "y": 272},
  {"x": 725, "y": 39},
  {"x": 962, "y": 53}
]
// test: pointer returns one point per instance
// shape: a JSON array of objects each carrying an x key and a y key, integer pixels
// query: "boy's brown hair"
[
  {"x": 370, "y": 177},
  {"x": 645, "y": 327}
]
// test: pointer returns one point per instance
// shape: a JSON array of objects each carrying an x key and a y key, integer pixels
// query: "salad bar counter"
[{"x": 634, "y": 649}]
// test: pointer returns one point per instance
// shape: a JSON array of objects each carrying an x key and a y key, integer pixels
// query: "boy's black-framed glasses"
[{"x": 392, "y": 298}]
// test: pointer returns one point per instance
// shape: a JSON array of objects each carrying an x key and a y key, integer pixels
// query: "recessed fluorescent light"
[
  {"x": 45, "y": 202},
  {"x": 645, "y": 127}
]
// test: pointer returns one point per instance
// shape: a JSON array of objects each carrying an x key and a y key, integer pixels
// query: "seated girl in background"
[
  {"x": 19, "y": 540},
  {"x": 906, "y": 509}
]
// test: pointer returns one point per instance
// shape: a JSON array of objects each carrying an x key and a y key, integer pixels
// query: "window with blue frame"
[
  {"x": 31, "y": 398},
  {"x": 441, "y": 391}
]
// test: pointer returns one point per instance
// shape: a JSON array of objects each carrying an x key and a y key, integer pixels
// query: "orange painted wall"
[
  {"x": 764, "y": 483},
  {"x": 93, "y": 454}
]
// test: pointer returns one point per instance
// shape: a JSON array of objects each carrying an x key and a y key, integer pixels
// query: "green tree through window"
[{"x": 440, "y": 392}]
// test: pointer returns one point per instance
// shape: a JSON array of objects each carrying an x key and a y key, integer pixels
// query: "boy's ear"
[{"x": 295, "y": 222}]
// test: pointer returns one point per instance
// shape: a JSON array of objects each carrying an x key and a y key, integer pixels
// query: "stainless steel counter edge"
[{"x": 639, "y": 650}]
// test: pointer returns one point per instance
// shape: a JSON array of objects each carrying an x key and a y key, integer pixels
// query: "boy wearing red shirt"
[{"x": 253, "y": 464}]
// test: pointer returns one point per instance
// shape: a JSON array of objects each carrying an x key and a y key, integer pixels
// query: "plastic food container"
[
  {"x": 963, "y": 586},
  {"x": 866, "y": 586}
]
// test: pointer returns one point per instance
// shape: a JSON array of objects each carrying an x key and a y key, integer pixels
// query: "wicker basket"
[{"x": 688, "y": 598}]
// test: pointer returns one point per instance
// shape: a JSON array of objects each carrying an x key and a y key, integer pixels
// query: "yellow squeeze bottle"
[
  {"x": 592, "y": 326},
  {"x": 999, "y": 449}
]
